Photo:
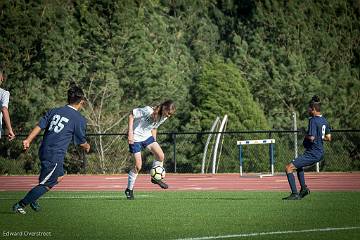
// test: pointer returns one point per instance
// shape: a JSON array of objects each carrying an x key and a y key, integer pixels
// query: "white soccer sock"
[
  {"x": 131, "y": 179},
  {"x": 158, "y": 163}
]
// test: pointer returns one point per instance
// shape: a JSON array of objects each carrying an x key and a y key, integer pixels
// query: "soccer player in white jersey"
[
  {"x": 4, "y": 105},
  {"x": 143, "y": 124}
]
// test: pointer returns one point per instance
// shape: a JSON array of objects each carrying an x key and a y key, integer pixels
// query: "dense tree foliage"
[
  {"x": 257, "y": 61},
  {"x": 221, "y": 89}
]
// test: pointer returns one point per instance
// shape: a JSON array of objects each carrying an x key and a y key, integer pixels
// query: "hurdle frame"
[{"x": 271, "y": 143}]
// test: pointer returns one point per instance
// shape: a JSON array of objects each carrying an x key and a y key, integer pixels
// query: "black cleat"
[
  {"x": 160, "y": 183},
  {"x": 129, "y": 194},
  {"x": 303, "y": 192},
  {"x": 292, "y": 196},
  {"x": 35, "y": 206}
]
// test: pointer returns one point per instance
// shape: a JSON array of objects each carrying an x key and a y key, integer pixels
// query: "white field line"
[{"x": 328, "y": 229}]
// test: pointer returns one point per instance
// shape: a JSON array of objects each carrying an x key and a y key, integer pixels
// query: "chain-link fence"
[{"x": 184, "y": 153}]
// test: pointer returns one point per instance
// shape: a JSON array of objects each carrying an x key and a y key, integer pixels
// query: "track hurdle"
[{"x": 240, "y": 144}]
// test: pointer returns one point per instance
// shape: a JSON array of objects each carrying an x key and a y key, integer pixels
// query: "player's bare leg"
[
  {"x": 158, "y": 153},
  {"x": 155, "y": 149}
]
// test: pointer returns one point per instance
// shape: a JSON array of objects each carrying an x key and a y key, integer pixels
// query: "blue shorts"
[
  {"x": 49, "y": 173},
  {"x": 138, "y": 146},
  {"x": 307, "y": 159}
]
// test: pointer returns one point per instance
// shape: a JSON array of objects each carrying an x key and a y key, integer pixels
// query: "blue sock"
[
  {"x": 291, "y": 180},
  {"x": 33, "y": 195},
  {"x": 301, "y": 177}
]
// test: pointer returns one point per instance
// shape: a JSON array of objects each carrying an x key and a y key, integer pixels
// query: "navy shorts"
[
  {"x": 49, "y": 173},
  {"x": 307, "y": 159},
  {"x": 138, "y": 146}
]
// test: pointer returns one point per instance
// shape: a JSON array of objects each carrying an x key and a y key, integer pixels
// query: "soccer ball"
[{"x": 157, "y": 172}]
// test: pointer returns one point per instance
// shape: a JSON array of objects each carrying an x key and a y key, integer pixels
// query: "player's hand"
[
  {"x": 131, "y": 139},
  {"x": 11, "y": 135},
  {"x": 86, "y": 147},
  {"x": 26, "y": 145}
]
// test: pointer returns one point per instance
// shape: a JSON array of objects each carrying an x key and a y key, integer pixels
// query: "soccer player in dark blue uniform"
[
  {"x": 318, "y": 131},
  {"x": 61, "y": 125}
]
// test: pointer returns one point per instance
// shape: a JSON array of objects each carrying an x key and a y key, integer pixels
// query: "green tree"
[
  {"x": 290, "y": 51},
  {"x": 221, "y": 89}
]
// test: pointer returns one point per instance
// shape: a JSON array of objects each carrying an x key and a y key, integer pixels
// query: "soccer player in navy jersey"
[
  {"x": 61, "y": 125},
  {"x": 318, "y": 131}
]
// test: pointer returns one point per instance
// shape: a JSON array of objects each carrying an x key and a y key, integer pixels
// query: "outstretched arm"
[
  {"x": 7, "y": 121},
  {"x": 131, "y": 129},
  {"x": 30, "y": 138}
]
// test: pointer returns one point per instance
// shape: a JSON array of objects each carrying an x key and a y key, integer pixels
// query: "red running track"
[{"x": 190, "y": 182}]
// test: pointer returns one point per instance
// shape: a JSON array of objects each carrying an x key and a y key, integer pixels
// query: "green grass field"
[{"x": 175, "y": 215}]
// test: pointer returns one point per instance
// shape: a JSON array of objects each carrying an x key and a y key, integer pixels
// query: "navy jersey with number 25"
[
  {"x": 318, "y": 128},
  {"x": 61, "y": 126}
]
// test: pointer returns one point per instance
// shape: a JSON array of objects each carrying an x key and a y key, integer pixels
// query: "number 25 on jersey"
[{"x": 57, "y": 123}]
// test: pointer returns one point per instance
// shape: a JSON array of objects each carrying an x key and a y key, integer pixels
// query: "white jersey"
[
  {"x": 4, "y": 102},
  {"x": 143, "y": 123}
]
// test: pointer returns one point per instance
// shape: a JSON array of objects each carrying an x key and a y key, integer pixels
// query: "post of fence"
[
  {"x": 84, "y": 161},
  {"x": 295, "y": 135},
  {"x": 271, "y": 154},
  {"x": 272, "y": 160},
  {"x": 174, "y": 150},
  {"x": 240, "y": 159}
]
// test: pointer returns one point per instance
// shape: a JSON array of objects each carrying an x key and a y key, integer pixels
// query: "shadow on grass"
[
  {"x": 216, "y": 198},
  {"x": 8, "y": 213}
]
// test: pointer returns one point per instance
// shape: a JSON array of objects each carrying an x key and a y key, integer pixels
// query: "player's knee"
[
  {"x": 161, "y": 157},
  {"x": 46, "y": 187}
]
